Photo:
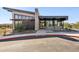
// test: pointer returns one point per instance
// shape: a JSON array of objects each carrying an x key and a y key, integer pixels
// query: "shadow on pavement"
[{"x": 69, "y": 38}]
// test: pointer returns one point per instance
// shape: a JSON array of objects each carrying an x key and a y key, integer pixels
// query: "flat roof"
[{"x": 53, "y": 17}]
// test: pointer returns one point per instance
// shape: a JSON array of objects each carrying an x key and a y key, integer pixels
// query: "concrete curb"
[{"x": 31, "y": 36}]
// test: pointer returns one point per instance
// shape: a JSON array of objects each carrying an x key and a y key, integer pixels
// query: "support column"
[
  {"x": 58, "y": 25},
  {"x": 36, "y": 19},
  {"x": 13, "y": 22},
  {"x": 45, "y": 23},
  {"x": 62, "y": 24},
  {"x": 53, "y": 24}
]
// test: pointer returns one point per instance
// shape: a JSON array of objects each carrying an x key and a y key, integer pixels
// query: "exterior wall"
[
  {"x": 56, "y": 25},
  {"x": 36, "y": 19},
  {"x": 28, "y": 24},
  {"x": 13, "y": 22},
  {"x": 51, "y": 24}
]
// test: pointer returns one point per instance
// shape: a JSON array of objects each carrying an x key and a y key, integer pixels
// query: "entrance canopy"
[{"x": 60, "y": 18}]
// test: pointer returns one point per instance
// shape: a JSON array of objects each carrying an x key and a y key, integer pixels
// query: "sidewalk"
[{"x": 39, "y": 34}]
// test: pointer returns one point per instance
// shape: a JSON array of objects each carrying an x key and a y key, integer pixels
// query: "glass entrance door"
[
  {"x": 42, "y": 24},
  {"x": 49, "y": 23}
]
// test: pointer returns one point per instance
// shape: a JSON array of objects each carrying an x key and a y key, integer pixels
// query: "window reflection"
[
  {"x": 23, "y": 17},
  {"x": 16, "y": 16}
]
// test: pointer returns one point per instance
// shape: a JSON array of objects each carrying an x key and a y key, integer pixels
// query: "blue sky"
[{"x": 71, "y": 12}]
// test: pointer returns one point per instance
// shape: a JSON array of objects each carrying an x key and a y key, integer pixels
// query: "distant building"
[{"x": 35, "y": 21}]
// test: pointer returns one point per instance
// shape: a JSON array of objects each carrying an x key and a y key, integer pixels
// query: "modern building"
[{"x": 35, "y": 21}]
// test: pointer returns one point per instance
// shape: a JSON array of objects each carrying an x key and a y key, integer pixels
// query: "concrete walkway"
[{"x": 39, "y": 34}]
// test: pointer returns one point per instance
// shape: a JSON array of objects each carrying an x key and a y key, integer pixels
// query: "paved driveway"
[{"x": 40, "y": 45}]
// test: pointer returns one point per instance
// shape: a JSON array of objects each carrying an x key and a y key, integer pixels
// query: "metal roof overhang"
[
  {"x": 11, "y": 10},
  {"x": 61, "y": 18}
]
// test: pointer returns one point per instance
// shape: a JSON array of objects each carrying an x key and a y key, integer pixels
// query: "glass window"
[
  {"x": 27, "y": 17},
  {"x": 16, "y": 16},
  {"x": 19, "y": 16},
  {"x": 56, "y": 22},
  {"x": 16, "y": 22},
  {"x": 23, "y": 17},
  {"x": 20, "y": 22},
  {"x": 30, "y": 17}
]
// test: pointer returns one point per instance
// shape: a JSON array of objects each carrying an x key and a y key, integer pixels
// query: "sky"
[{"x": 71, "y": 12}]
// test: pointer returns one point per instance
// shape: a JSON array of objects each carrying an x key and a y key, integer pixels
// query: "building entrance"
[{"x": 46, "y": 24}]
